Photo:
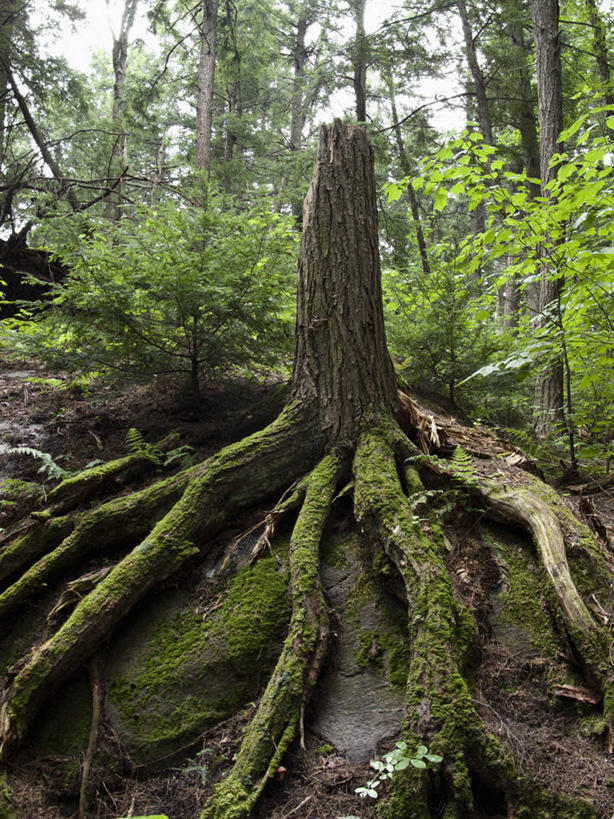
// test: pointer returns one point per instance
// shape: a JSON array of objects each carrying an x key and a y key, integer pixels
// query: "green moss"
[
  {"x": 257, "y": 603},
  {"x": 324, "y": 749},
  {"x": 6, "y": 809},
  {"x": 521, "y": 611},
  {"x": 64, "y": 727},
  {"x": 333, "y": 552},
  {"x": 193, "y": 672},
  {"x": 17, "y": 490}
]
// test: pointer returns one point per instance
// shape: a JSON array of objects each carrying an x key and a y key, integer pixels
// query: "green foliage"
[
  {"x": 566, "y": 234},
  {"x": 150, "y": 816},
  {"x": 50, "y": 470},
  {"x": 396, "y": 760},
  {"x": 181, "y": 456},
  {"x": 461, "y": 466},
  {"x": 135, "y": 442},
  {"x": 437, "y": 324},
  {"x": 174, "y": 289}
]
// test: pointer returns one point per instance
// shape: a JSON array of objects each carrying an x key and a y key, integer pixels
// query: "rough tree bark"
[
  {"x": 359, "y": 60},
  {"x": 601, "y": 51},
  {"x": 344, "y": 427},
  {"x": 406, "y": 168},
  {"x": 549, "y": 392},
  {"x": 119, "y": 156},
  {"x": 206, "y": 78}
]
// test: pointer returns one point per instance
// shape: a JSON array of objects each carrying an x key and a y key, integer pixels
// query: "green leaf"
[
  {"x": 441, "y": 199},
  {"x": 418, "y": 763}
]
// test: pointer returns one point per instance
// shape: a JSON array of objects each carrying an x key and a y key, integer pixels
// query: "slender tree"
[
  {"x": 119, "y": 158},
  {"x": 601, "y": 51},
  {"x": 545, "y": 14},
  {"x": 205, "y": 83}
]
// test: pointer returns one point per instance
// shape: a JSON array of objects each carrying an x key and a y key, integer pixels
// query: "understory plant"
[
  {"x": 566, "y": 234},
  {"x": 396, "y": 760},
  {"x": 178, "y": 289}
]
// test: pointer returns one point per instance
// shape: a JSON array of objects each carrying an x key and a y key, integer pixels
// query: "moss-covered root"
[
  {"x": 240, "y": 475},
  {"x": 123, "y": 520},
  {"x": 277, "y": 717},
  {"x": 538, "y": 509},
  {"x": 98, "y": 480},
  {"x": 440, "y": 709},
  {"x": 22, "y": 547}
]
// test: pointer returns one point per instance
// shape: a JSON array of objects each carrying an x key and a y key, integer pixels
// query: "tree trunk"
[
  {"x": 359, "y": 61},
  {"x": 549, "y": 412},
  {"x": 206, "y": 78},
  {"x": 343, "y": 453},
  {"x": 119, "y": 157},
  {"x": 601, "y": 51},
  {"x": 406, "y": 168},
  {"x": 529, "y": 140},
  {"x": 477, "y": 76},
  {"x": 342, "y": 364}
]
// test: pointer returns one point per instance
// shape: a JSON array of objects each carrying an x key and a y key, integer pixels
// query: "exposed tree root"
[
  {"x": 238, "y": 476},
  {"x": 122, "y": 520},
  {"x": 440, "y": 711},
  {"x": 95, "y": 684},
  {"x": 92, "y": 483},
  {"x": 534, "y": 507},
  {"x": 277, "y": 718}
]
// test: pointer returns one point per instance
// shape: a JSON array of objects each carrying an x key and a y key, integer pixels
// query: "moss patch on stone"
[
  {"x": 520, "y": 615},
  {"x": 64, "y": 726},
  {"x": 176, "y": 672}
]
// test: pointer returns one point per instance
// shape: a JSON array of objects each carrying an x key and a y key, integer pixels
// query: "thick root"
[
  {"x": 440, "y": 711},
  {"x": 98, "y": 480},
  {"x": 239, "y": 476},
  {"x": 275, "y": 722},
  {"x": 119, "y": 521},
  {"x": 535, "y": 507},
  {"x": 22, "y": 550}
]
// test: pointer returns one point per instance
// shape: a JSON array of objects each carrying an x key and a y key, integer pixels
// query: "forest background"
[
  {"x": 169, "y": 181},
  {"x": 150, "y": 216}
]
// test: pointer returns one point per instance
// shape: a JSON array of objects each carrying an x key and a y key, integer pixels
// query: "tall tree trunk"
[
  {"x": 529, "y": 141},
  {"x": 8, "y": 14},
  {"x": 601, "y": 51},
  {"x": 359, "y": 61},
  {"x": 406, "y": 168},
  {"x": 478, "y": 215},
  {"x": 119, "y": 158},
  {"x": 477, "y": 75},
  {"x": 549, "y": 390},
  {"x": 206, "y": 79},
  {"x": 234, "y": 103}
]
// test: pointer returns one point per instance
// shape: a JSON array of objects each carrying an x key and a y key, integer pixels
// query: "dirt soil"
[{"x": 77, "y": 425}]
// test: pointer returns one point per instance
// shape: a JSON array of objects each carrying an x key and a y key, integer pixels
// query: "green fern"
[
  {"x": 49, "y": 468},
  {"x": 461, "y": 466},
  {"x": 135, "y": 442}
]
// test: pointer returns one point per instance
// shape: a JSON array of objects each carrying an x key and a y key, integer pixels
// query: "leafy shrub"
[{"x": 173, "y": 289}]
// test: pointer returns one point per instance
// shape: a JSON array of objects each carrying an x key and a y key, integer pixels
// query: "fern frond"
[
  {"x": 461, "y": 466},
  {"x": 49, "y": 468},
  {"x": 135, "y": 442}
]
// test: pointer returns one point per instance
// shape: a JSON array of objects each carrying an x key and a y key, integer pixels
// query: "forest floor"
[{"x": 77, "y": 425}]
